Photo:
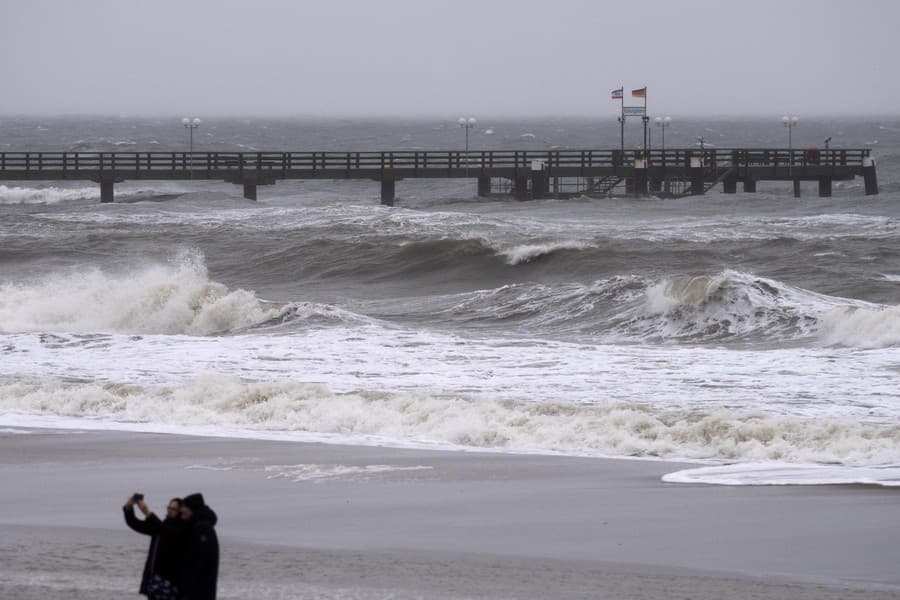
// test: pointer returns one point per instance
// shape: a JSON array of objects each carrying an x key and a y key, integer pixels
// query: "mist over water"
[{"x": 724, "y": 328}]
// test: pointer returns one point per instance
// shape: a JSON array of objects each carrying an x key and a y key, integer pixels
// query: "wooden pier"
[{"x": 525, "y": 174}]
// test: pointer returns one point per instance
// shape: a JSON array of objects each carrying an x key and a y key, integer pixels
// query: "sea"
[{"x": 755, "y": 336}]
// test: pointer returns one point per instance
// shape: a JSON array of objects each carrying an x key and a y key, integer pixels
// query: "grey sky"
[{"x": 424, "y": 57}]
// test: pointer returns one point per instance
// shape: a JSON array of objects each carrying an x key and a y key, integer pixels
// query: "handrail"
[{"x": 75, "y": 162}]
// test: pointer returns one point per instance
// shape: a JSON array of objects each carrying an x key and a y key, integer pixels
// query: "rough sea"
[{"x": 757, "y": 335}]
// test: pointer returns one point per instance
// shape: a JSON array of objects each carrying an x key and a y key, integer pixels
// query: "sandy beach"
[{"x": 329, "y": 521}]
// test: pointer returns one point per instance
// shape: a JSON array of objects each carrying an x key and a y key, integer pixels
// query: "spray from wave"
[
  {"x": 46, "y": 195},
  {"x": 175, "y": 298},
  {"x": 862, "y": 327}
]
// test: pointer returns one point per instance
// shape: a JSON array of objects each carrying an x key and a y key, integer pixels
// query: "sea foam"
[
  {"x": 779, "y": 473},
  {"x": 45, "y": 195},
  {"x": 227, "y": 406},
  {"x": 862, "y": 327}
]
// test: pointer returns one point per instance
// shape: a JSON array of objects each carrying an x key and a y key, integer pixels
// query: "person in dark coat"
[
  {"x": 200, "y": 564},
  {"x": 165, "y": 553}
]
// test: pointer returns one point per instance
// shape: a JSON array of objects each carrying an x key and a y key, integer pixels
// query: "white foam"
[
  {"x": 223, "y": 406},
  {"x": 862, "y": 327},
  {"x": 314, "y": 472},
  {"x": 176, "y": 298},
  {"x": 15, "y": 430},
  {"x": 45, "y": 195},
  {"x": 775, "y": 473}
]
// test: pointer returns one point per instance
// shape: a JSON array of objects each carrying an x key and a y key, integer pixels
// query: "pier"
[{"x": 525, "y": 174}]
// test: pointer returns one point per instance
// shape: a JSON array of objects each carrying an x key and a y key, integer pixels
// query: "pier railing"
[
  {"x": 533, "y": 173},
  {"x": 147, "y": 163}
]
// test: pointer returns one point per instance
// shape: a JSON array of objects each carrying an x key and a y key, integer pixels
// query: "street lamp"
[
  {"x": 662, "y": 123},
  {"x": 790, "y": 123},
  {"x": 467, "y": 124},
  {"x": 191, "y": 125}
]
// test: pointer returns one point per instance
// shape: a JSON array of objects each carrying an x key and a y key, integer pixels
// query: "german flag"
[{"x": 641, "y": 93}]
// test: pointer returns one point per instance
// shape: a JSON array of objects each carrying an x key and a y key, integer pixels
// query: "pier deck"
[{"x": 531, "y": 173}]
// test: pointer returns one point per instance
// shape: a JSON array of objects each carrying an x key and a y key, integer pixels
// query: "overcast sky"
[{"x": 449, "y": 57}]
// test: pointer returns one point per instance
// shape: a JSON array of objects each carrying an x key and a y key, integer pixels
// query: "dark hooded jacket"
[
  {"x": 200, "y": 566},
  {"x": 165, "y": 552}
]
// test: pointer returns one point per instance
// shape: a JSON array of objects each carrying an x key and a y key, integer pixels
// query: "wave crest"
[
  {"x": 176, "y": 298},
  {"x": 525, "y": 253}
]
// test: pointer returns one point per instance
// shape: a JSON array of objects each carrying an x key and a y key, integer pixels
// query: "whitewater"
[{"x": 754, "y": 334}]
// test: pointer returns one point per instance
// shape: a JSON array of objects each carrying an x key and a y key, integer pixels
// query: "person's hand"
[
  {"x": 129, "y": 503},
  {"x": 143, "y": 506}
]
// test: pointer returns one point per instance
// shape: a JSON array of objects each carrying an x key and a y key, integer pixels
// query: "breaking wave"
[
  {"x": 739, "y": 305},
  {"x": 727, "y": 307},
  {"x": 175, "y": 298}
]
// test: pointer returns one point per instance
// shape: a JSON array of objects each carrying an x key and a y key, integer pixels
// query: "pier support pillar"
[
  {"x": 698, "y": 183},
  {"x": 825, "y": 187},
  {"x": 250, "y": 190},
  {"x": 629, "y": 186},
  {"x": 106, "y": 190},
  {"x": 484, "y": 186},
  {"x": 520, "y": 188},
  {"x": 869, "y": 176},
  {"x": 750, "y": 185},
  {"x": 796, "y": 188},
  {"x": 729, "y": 185},
  {"x": 538, "y": 184},
  {"x": 640, "y": 182},
  {"x": 641, "y": 175},
  {"x": 388, "y": 190}
]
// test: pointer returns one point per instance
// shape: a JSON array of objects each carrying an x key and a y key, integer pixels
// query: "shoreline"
[{"x": 441, "y": 524}]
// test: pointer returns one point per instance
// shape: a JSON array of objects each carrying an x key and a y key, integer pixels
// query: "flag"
[
  {"x": 617, "y": 94},
  {"x": 641, "y": 93}
]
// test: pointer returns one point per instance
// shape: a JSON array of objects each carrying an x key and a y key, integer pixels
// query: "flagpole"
[
  {"x": 645, "y": 119},
  {"x": 622, "y": 121}
]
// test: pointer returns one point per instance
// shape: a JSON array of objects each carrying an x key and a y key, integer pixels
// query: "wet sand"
[{"x": 329, "y": 521}]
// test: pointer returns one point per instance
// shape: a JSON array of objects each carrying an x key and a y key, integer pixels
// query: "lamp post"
[
  {"x": 790, "y": 123},
  {"x": 191, "y": 125},
  {"x": 467, "y": 124},
  {"x": 645, "y": 119},
  {"x": 662, "y": 123}
]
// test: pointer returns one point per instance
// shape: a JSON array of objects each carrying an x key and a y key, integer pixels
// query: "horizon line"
[{"x": 435, "y": 115}]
